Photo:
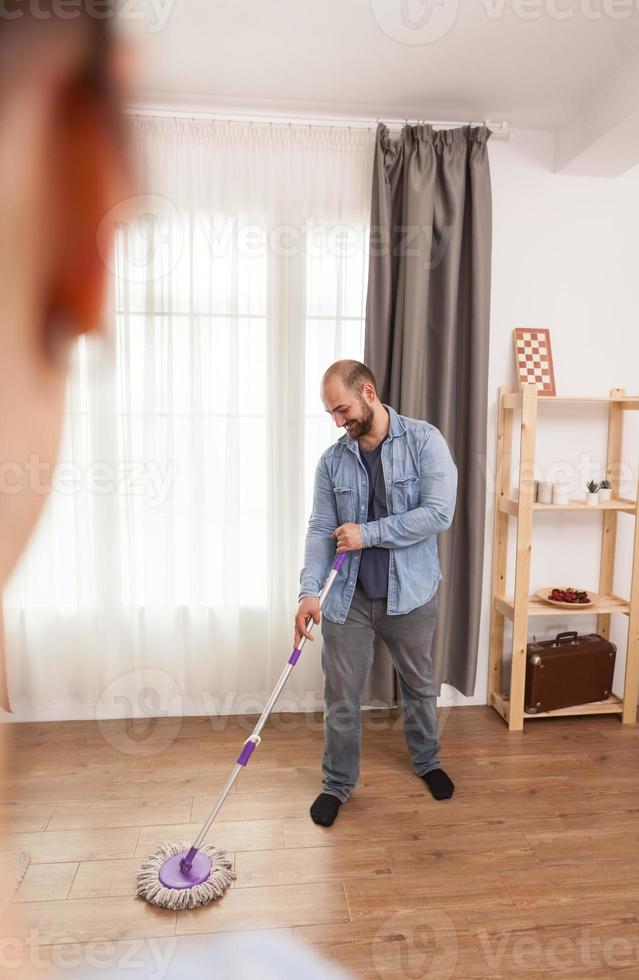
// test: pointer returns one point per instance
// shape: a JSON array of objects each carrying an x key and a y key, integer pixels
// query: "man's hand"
[
  {"x": 308, "y": 608},
  {"x": 349, "y": 538}
]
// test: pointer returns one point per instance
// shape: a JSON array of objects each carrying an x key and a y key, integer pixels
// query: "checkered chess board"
[{"x": 533, "y": 356}]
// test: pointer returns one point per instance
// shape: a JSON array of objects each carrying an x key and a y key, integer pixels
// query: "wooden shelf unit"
[{"x": 519, "y": 607}]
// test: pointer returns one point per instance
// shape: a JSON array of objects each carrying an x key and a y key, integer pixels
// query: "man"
[{"x": 382, "y": 493}]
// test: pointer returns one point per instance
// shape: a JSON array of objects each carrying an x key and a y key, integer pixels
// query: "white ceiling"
[{"x": 336, "y": 57}]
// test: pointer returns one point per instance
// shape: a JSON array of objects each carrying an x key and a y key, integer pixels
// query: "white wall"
[{"x": 565, "y": 253}]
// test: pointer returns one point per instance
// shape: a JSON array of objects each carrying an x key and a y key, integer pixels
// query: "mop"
[{"x": 185, "y": 876}]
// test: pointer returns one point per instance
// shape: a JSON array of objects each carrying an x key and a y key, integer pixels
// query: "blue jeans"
[{"x": 347, "y": 655}]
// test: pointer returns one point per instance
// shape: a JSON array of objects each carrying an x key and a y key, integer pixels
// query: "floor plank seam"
[
  {"x": 348, "y": 907},
  {"x": 51, "y": 816},
  {"x": 70, "y": 889}
]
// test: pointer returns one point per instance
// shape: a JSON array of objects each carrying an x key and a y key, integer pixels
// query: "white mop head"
[{"x": 152, "y": 890}]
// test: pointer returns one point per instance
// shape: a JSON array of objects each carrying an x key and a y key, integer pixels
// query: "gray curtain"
[{"x": 427, "y": 329}]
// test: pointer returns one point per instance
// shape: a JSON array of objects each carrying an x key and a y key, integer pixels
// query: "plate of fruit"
[{"x": 568, "y": 598}]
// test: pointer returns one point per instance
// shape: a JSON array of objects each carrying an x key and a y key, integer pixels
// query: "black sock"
[
  {"x": 324, "y": 809},
  {"x": 440, "y": 785}
]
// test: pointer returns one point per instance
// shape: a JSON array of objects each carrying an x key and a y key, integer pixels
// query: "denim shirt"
[{"x": 421, "y": 490}]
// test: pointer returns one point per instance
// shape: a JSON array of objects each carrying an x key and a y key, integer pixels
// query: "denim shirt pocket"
[
  {"x": 345, "y": 504},
  {"x": 406, "y": 492}
]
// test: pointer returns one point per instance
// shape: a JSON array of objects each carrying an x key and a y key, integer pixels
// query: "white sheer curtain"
[{"x": 163, "y": 576}]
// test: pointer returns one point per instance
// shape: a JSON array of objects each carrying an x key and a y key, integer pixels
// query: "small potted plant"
[
  {"x": 605, "y": 490},
  {"x": 592, "y": 493}
]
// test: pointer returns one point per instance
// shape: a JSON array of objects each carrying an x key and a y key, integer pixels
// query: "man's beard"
[{"x": 364, "y": 425}]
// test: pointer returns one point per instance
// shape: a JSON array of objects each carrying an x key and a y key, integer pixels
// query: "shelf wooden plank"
[
  {"x": 537, "y": 607},
  {"x": 610, "y": 522},
  {"x": 611, "y": 706},
  {"x": 504, "y": 606},
  {"x": 501, "y": 704},
  {"x": 509, "y": 506},
  {"x": 523, "y": 547},
  {"x": 503, "y": 465},
  {"x": 631, "y": 679},
  {"x": 513, "y": 400},
  {"x": 576, "y": 399}
]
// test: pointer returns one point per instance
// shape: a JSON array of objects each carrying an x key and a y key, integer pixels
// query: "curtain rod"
[{"x": 500, "y": 130}]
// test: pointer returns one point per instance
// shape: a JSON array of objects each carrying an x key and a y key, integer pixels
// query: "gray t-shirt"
[{"x": 373, "y": 564}]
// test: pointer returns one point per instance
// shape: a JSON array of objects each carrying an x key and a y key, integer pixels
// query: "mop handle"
[{"x": 254, "y": 738}]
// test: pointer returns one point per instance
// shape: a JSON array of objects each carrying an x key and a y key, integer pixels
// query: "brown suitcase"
[{"x": 568, "y": 670}]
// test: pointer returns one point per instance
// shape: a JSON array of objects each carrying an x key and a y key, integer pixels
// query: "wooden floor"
[{"x": 532, "y": 868}]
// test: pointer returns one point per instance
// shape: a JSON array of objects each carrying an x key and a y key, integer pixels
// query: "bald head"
[{"x": 353, "y": 375}]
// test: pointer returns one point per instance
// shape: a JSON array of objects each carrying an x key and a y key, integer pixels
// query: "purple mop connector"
[
  {"x": 339, "y": 561},
  {"x": 187, "y": 860},
  {"x": 246, "y": 753}
]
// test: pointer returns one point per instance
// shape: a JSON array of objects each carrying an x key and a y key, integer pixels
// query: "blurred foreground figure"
[{"x": 62, "y": 169}]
